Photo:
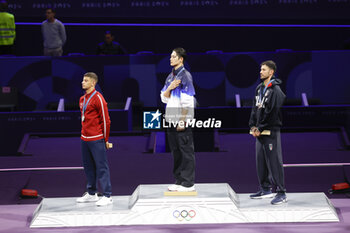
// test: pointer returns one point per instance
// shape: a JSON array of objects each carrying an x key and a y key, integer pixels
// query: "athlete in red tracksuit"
[{"x": 94, "y": 142}]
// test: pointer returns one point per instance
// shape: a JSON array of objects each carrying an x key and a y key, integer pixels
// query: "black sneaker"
[
  {"x": 262, "y": 194},
  {"x": 279, "y": 199}
]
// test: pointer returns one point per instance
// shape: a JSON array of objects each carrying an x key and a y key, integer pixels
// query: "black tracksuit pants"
[
  {"x": 182, "y": 149},
  {"x": 269, "y": 162}
]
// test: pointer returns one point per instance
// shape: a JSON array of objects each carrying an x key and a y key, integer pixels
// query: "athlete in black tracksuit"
[{"x": 266, "y": 115}]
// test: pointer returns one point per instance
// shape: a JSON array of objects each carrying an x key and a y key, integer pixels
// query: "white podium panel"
[{"x": 214, "y": 203}]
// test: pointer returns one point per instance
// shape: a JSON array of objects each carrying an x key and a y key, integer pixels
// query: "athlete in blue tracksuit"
[{"x": 178, "y": 95}]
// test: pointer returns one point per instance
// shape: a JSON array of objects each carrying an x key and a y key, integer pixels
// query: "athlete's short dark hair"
[
  {"x": 181, "y": 52},
  {"x": 271, "y": 64}
]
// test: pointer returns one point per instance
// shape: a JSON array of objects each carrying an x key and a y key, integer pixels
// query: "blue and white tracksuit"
[{"x": 181, "y": 142}]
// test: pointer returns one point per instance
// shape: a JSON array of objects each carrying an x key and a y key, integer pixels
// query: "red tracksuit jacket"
[{"x": 96, "y": 124}]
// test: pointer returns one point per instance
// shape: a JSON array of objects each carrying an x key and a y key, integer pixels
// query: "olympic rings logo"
[{"x": 184, "y": 214}]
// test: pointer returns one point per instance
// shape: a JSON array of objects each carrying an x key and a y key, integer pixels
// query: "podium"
[{"x": 214, "y": 203}]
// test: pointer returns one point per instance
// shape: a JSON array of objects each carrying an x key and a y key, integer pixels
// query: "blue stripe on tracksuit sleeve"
[{"x": 185, "y": 87}]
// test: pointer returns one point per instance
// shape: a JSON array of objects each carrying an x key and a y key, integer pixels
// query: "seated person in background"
[{"x": 109, "y": 46}]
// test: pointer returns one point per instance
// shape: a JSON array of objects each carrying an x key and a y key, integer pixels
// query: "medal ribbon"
[
  {"x": 85, "y": 105},
  {"x": 183, "y": 68},
  {"x": 265, "y": 88}
]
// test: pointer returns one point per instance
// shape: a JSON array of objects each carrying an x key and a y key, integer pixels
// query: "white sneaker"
[
  {"x": 104, "y": 201},
  {"x": 186, "y": 189},
  {"x": 87, "y": 198},
  {"x": 173, "y": 187}
]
